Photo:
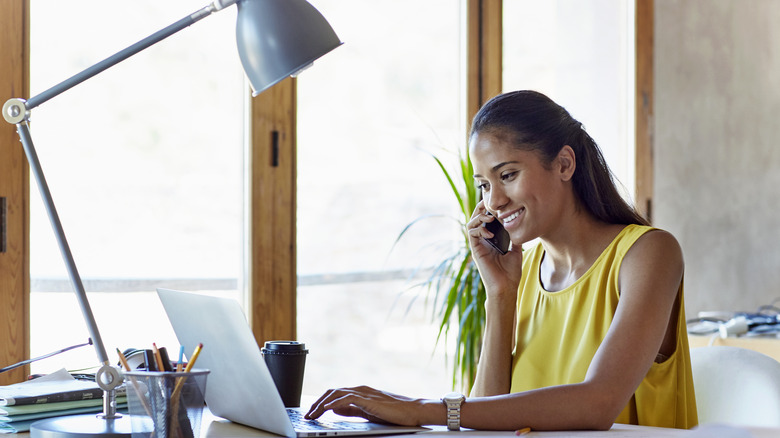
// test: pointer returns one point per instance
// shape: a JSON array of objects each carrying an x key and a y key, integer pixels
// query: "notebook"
[{"x": 240, "y": 387}]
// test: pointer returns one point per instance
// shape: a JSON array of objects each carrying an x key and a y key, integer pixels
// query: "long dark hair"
[{"x": 536, "y": 123}]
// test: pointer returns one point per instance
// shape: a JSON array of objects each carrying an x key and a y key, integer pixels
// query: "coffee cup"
[{"x": 286, "y": 361}]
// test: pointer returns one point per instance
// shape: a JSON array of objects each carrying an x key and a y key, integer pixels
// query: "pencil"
[
  {"x": 123, "y": 359},
  {"x": 158, "y": 357},
  {"x": 191, "y": 361},
  {"x": 522, "y": 431},
  {"x": 180, "y": 384},
  {"x": 180, "y": 380}
]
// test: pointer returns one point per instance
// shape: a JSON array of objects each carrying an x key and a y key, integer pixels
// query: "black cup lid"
[{"x": 281, "y": 347}]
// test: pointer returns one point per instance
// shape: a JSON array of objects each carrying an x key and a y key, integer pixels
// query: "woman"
[{"x": 585, "y": 329}]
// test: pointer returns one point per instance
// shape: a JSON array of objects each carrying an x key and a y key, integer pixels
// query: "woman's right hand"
[
  {"x": 498, "y": 272},
  {"x": 501, "y": 276}
]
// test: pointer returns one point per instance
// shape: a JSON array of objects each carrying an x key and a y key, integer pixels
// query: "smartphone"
[{"x": 500, "y": 239}]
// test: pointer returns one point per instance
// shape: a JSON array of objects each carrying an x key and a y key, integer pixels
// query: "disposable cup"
[{"x": 286, "y": 360}]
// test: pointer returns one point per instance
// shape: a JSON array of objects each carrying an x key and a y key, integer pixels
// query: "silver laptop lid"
[{"x": 239, "y": 387}]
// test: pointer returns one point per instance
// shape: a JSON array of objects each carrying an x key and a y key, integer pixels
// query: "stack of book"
[{"x": 53, "y": 395}]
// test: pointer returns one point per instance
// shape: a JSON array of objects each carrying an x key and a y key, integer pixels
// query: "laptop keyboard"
[{"x": 303, "y": 424}]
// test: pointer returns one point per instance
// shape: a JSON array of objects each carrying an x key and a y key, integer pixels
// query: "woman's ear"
[{"x": 567, "y": 162}]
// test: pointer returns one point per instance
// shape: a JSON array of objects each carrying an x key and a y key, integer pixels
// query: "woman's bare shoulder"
[
  {"x": 657, "y": 242},
  {"x": 655, "y": 253}
]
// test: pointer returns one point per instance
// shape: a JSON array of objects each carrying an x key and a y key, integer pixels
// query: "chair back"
[{"x": 736, "y": 386}]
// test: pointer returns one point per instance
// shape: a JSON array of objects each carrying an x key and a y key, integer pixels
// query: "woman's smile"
[{"x": 511, "y": 220}]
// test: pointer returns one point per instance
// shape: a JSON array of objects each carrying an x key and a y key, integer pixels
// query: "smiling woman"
[
  {"x": 585, "y": 303},
  {"x": 587, "y": 327}
]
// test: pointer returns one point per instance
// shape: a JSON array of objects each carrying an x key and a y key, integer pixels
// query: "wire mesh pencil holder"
[{"x": 166, "y": 404}]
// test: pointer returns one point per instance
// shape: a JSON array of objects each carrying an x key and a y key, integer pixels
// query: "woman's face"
[{"x": 517, "y": 188}]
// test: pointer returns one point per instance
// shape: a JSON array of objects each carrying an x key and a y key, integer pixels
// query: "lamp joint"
[
  {"x": 222, "y": 4},
  {"x": 15, "y": 111}
]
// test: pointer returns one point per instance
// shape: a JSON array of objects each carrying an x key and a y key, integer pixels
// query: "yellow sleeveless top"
[{"x": 558, "y": 334}]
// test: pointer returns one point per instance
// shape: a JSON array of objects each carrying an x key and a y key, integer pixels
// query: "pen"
[
  {"x": 522, "y": 431},
  {"x": 150, "y": 361}
]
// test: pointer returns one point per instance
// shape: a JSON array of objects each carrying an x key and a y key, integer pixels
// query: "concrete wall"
[{"x": 717, "y": 151}]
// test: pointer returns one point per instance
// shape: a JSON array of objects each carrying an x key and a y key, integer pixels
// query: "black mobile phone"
[{"x": 500, "y": 239}]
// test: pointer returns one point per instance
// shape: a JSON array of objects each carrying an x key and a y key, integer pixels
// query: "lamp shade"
[{"x": 278, "y": 38}]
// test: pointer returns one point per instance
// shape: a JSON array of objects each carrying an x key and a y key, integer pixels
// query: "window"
[
  {"x": 581, "y": 54},
  {"x": 145, "y": 166},
  {"x": 370, "y": 114},
  {"x": 367, "y": 111},
  {"x": 158, "y": 197}
]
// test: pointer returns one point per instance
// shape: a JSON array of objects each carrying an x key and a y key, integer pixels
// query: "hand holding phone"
[{"x": 500, "y": 239}]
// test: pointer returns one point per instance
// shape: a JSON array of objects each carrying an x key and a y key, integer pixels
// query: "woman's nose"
[{"x": 496, "y": 200}]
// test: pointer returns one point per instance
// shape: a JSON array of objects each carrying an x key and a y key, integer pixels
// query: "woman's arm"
[
  {"x": 501, "y": 276},
  {"x": 494, "y": 370},
  {"x": 650, "y": 277}
]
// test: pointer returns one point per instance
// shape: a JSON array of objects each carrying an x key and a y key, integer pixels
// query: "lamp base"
[{"x": 82, "y": 426}]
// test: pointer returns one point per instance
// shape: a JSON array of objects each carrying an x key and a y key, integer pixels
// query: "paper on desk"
[
  {"x": 12, "y": 412},
  {"x": 57, "y": 382},
  {"x": 17, "y": 426},
  {"x": 47, "y": 414}
]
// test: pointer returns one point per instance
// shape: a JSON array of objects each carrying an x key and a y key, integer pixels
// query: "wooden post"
[
  {"x": 484, "y": 33},
  {"x": 272, "y": 261},
  {"x": 644, "y": 107},
  {"x": 14, "y": 196}
]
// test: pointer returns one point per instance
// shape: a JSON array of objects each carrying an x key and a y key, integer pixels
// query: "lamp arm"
[
  {"x": 32, "y": 157},
  {"x": 107, "y": 378}
]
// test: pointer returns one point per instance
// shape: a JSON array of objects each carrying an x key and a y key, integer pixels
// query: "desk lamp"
[{"x": 276, "y": 39}]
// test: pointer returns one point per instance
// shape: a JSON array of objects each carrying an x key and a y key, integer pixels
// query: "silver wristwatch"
[{"x": 453, "y": 401}]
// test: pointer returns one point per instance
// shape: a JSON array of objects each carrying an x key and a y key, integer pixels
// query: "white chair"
[{"x": 736, "y": 386}]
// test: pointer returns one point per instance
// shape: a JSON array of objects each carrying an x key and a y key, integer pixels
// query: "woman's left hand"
[{"x": 371, "y": 404}]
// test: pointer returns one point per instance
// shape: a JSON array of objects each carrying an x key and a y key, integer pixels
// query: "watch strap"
[{"x": 453, "y": 402}]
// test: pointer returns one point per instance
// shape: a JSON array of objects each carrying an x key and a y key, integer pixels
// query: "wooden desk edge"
[{"x": 764, "y": 344}]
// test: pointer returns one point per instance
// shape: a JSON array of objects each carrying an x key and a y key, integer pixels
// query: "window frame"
[{"x": 14, "y": 187}]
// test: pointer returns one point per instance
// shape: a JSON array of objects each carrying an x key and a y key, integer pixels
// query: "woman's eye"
[
  {"x": 508, "y": 176},
  {"x": 482, "y": 187}
]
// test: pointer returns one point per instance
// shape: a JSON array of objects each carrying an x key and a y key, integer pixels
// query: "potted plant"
[{"x": 454, "y": 282}]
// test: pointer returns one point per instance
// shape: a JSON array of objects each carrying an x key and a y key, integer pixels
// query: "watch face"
[{"x": 453, "y": 397}]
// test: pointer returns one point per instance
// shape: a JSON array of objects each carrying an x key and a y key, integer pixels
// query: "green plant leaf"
[{"x": 454, "y": 287}]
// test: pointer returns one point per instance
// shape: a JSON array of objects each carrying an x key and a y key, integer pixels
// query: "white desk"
[{"x": 214, "y": 427}]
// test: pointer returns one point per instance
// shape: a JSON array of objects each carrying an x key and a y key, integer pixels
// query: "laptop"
[{"x": 240, "y": 387}]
